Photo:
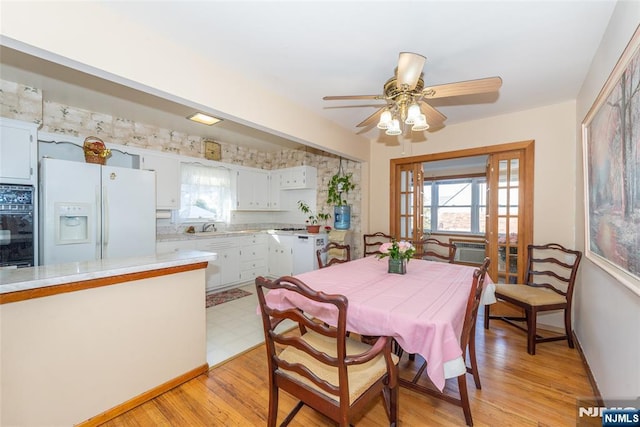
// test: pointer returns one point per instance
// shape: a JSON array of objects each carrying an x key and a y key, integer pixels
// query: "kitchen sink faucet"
[{"x": 208, "y": 225}]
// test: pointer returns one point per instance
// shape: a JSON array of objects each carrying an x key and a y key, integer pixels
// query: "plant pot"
[
  {"x": 313, "y": 229},
  {"x": 342, "y": 217},
  {"x": 397, "y": 266}
]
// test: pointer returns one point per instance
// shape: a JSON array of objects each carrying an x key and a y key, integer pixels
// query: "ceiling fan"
[{"x": 406, "y": 97}]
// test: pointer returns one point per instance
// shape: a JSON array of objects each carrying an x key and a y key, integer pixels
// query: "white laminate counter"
[{"x": 22, "y": 279}]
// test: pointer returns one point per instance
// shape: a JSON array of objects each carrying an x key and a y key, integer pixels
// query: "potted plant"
[
  {"x": 399, "y": 254},
  {"x": 312, "y": 219},
  {"x": 339, "y": 185}
]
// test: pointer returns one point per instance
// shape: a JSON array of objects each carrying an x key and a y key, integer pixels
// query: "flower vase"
[{"x": 397, "y": 266}]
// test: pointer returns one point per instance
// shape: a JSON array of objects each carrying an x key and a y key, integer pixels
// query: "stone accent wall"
[{"x": 26, "y": 103}]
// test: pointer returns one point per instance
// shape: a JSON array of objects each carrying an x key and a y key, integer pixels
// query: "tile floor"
[{"x": 234, "y": 327}]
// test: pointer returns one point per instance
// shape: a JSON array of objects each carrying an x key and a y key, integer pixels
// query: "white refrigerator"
[{"x": 89, "y": 212}]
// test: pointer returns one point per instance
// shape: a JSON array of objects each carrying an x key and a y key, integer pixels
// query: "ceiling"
[{"x": 308, "y": 49}]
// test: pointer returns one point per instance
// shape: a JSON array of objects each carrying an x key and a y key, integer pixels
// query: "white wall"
[
  {"x": 607, "y": 314},
  {"x": 552, "y": 128}
]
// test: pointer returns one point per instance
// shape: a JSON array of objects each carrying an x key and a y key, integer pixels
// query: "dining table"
[{"x": 423, "y": 309}]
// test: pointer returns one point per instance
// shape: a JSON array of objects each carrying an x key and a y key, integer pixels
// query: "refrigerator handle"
[
  {"x": 105, "y": 217},
  {"x": 97, "y": 223}
]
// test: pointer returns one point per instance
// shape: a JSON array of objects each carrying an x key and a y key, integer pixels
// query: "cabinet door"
[
  {"x": 18, "y": 152},
  {"x": 274, "y": 190},
  {"x": 252, "y": 190},
  {"x": 299, "y": 177},
  {"x": 167, "y": 180},
  {"x": 280, "y": 255},
  {"x": 225, "y": 269}
]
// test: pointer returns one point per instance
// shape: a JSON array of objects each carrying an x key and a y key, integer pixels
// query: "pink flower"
[{"x": 384, "y": 248}]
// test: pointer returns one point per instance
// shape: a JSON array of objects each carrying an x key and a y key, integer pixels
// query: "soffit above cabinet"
[{"x": 67, "y": 86}]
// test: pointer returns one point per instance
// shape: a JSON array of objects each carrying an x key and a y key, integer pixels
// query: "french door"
[{"x": 509, "y": 220}]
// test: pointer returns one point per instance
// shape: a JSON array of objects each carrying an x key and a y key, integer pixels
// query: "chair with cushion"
[
  {"x": 323, "y": 368},
  {"x": 550, "y": 279},
  {"x": 336, "y": 254},
  {"x": 467, "y": 341},
  {"x": 435, "y": 250},
  {"x": 373, "y": 241}
]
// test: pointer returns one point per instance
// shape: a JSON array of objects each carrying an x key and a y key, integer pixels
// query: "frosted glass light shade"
[
  {"x": 385, "y": 120},
  {"x": 394, "y": 128},
  {"x": 420, "y": 123},
  {"x": 412, "y": 114}
]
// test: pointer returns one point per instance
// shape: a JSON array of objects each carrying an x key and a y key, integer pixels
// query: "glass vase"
[{"x": 397, "y": 266}]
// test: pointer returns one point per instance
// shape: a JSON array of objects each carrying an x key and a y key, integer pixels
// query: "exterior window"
[
  {"x": 205, "y": 193},
  {"x": 455, "y": 205}
]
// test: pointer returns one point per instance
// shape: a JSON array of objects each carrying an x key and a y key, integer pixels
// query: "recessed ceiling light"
[{"x": 204, "y": 119}]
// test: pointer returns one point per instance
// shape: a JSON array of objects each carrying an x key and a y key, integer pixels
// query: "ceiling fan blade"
[
  {"x": 372, "y": 118},
  {"x": 434, "y": 117},
  {"x": 469, "y": 87},
  {"x": 409, "y": 69},
  {"x": 331, "y": 98}
]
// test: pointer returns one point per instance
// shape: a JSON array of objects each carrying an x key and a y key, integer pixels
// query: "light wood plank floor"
[{"x": 517, "y": 390}]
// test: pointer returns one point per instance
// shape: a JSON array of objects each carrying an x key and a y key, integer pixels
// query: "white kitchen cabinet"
[
  {"x": 280, "y": 255},
  {"x": 252, "y": 190},
  {"x": 225, "y": 270},
  {"x": 167, "y": 179},
  {"x": 274, "y": 190},
  {"x": 253, "y": 257},
  {"x": 299, "y": 177},
  {"x": 18, "y": 152}
]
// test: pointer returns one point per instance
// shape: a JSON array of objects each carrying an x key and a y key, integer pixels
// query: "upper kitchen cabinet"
[
  {"x": 299, "y": 177},
  {"x": 252, "y": 190},
  {"x": 18, "y": 152},
  {"x": 167, "y": 179}
]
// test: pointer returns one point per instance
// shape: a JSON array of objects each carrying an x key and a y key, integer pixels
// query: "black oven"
[{"x": 16, "y": 226}]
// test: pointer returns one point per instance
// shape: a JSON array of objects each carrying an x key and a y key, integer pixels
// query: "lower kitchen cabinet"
[
  {"x": 253, "y": 257},
  {"x": 240, "y": 259},
  {"x": 280, "y": 255},
  {"x": 225, "y": 270}
]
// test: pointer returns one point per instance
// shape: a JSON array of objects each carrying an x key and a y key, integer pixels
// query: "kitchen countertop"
[
  {"x": 22, "y": 279},
  {"x": 217, "y": 234}
]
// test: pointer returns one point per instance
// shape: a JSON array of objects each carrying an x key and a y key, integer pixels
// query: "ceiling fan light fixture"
[
  {"x": 420, "y": 123},
  {"x": 412, "y": 114},
  {"x": 385, "y": 120},
  {"x": 394, "y": 128}
]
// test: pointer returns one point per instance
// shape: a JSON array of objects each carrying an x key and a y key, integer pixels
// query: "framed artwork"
[{"x": 611, "y": 147}]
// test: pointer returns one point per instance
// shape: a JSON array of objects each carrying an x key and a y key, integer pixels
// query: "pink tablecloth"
[{"x": 423, "y": 309}]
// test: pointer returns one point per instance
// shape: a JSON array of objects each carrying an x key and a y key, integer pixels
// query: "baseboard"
[
  {"x": 144, "y": 397},
  {"x": 594, "y": 386}
]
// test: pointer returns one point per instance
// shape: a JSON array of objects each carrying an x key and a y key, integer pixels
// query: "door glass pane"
[
  {"x": 515, "y": 171},
  {"x": 403, "y": 204},
  {"x": 503, "y": 166},
  {"x": 502, "y": 201},
  {"x": 482, "y": 219}
]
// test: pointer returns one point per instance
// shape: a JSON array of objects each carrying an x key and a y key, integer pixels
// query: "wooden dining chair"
[
  {"x": 373, "y": 241},
  {"x": 336, "y": 254},
  {"x": 549, "y": 281},
  {"x": 322, "y": 367},
  {"x": 467, "y": 343},
  {"x": 435, "y": 250}
]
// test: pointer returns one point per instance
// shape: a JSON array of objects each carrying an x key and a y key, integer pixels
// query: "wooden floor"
[{"x": 517, "y": 390}]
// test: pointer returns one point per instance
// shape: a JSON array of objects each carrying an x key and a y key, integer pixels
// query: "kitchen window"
[{"x": 205, "y": 193}]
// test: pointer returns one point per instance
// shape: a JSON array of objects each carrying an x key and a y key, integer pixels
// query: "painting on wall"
[{"x": 611, "y": 137}]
